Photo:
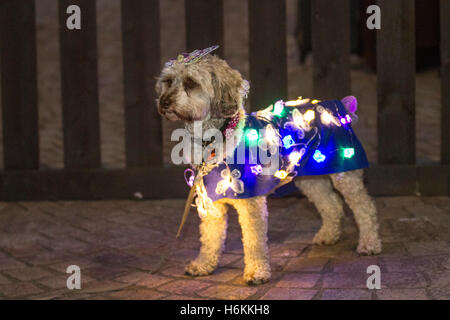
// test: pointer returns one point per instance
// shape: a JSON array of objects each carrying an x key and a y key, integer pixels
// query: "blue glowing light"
[
  {"x": 318, "y": 156},
  {"x": 288, "y": 142}
]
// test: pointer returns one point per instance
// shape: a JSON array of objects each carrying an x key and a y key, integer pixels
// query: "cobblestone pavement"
[{"x": 118, "y": 244}]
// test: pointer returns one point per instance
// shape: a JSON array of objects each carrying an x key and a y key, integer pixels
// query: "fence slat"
[
  {"x": 396, "y": 82},
  {"x": 445, "y": 80},
  {"x": 19, "y": 84},
  {"x": 204, "y": 24},
  {"x": 267, "y": 52},
  {"x": 79, "y": 85},
  {"x": 141, "y": 60},
  {"x": 331, "y": 48}
]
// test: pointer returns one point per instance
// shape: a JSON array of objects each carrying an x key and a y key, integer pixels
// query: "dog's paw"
[
  {"x": 197, "y": 269},
  {"x": 326, "y": 237},
  {"x": 369, "y": 246},
  {"x": 257, "y": 276}
]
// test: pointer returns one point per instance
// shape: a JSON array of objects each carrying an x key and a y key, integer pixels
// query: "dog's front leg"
[
  {"x": 253, "y": 220},
  {"x": 213, "y": 229}
]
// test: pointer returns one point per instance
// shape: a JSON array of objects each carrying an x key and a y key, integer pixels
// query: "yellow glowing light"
[
  {"x": 315, "y": 101},
  {"x": 309, "y": 115},
  {"x": 271, "y": 135},
  {"x": 326, "y": 118},
  {"x": 294, "y": 103},
  {"x": 294, "y": 157},
  {"x": 298, "y": 118},
  {"x": 281, "y": 174}
]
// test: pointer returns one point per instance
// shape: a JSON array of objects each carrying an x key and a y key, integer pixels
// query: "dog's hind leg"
[
  {"x": 213, "y": 229},
  {"x": 320, "y": 192},
  {"x": 253, "y": 220},
  {"x": 350, "y": 185}
]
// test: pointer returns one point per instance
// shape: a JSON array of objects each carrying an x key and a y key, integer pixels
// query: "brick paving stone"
[
  {"x": 358, "y": 265},
  {"x": 144, "y": 279},
  {"x": 227, "y": 292},
  {"x": 303, "y": 264},
  {"x": 19, "y": 289},
  {"x": 4, "y": 280},
  {"x": 178, "y": 297},
  {"x": 440, "y": 293},
  {"x": 439, "y": 279},
  {"x": 289, "y": 294},
  {"x": 136, "y": 294},
  {"x": 28, "y": 273},
  {"x": 345, "y": 280},
  {"x": 340, "y": 250},
  {"x": 9, "y": 263},
  {"x": 223, "y": 275},
  {"x": 428, "y": 248},
  {"x": 103, "y": 286},
  {"x": 415, "y": 263},
  {"x": 60, "y": 281},
  {"x": 227, "y": 259},
  {"x": 287, "y": 250},
  {"x": 184, "y": 287},
  {"x": 402, "y": 280},
  {"x": 298, "y": 280},
  {"x": 346, "y": 294},
  {"x": 402, "y": 294}
]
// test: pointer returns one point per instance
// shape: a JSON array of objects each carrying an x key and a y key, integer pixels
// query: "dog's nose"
[{"x": 164, "y": 102}]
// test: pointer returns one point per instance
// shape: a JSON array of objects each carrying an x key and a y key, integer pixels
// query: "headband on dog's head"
[{"x": 194, "y": 56}]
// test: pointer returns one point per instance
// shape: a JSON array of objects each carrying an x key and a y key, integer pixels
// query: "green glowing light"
[
  {"x": 349, "y": 152},
  {"x": 252, "y": 135},
  {"x": 278, "y": 108}
]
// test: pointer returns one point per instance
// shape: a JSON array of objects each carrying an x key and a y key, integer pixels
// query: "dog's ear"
[{"x": 229, "y": 89}]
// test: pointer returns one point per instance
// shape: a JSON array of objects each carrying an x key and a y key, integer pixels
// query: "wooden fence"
[{"x": 83, "y": 177}]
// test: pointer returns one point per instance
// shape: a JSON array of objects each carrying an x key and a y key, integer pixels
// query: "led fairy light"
[
  {"x": 348, "y": 152},
  {"x": 326, "y": 118},
  {"x": 265, "y": 114},
  {"x": 256, "y": 169},
  {"x": 271, "y": 136},
  {"x": 296, "y": 103},
  {"x": 281, "y": 174},
  {"x": 288, "y": 141},
  {"x": 278, "y": 108},
  {"x": 318, "y": 156},
  {"x": 295, "y": 157},
  {"x": 309, "y": 115},
  {"x": 298, "y": 119},
  {"x": 252, "y": 135}
]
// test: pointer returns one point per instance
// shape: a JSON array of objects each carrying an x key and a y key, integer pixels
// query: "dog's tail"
[{"x": 350, "y": 103}]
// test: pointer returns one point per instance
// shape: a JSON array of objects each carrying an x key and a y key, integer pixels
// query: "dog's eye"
[
  {"x": 168, "y": 82},
  {"x": 189, "y": 84}
]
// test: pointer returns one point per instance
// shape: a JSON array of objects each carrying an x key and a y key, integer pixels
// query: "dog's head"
[{"x": 194, "y": 91}]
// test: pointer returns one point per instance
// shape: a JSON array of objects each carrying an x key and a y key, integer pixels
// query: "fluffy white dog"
[{"x": 203, "y": 87}]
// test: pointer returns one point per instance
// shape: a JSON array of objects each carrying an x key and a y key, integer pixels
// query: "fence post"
[
  {"x": 396, "y": 70},
  {"x": 445, "y": 81},
  {"x": 141, "y": 60},
  {"x": 19, "y": 84},
  {"x": 204, "y": 24},
  {"x": 80, "y": 87},
  {"x": 331, "y": 48},
  {"x": 268, "y": 65}
]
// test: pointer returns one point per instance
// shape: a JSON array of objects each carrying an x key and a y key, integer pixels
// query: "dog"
[{"x": 202, "y": 87}]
